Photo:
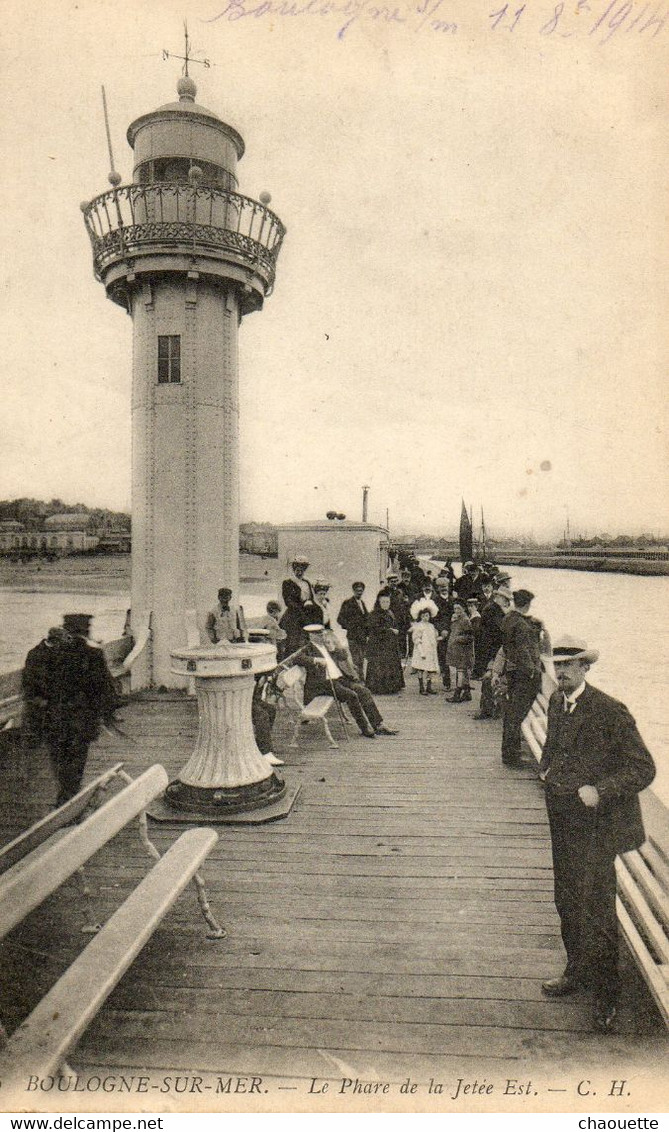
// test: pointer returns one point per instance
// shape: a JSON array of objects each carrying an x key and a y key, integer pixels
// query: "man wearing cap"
[
  {"x": 490, "y": 642},
  {"x": 442, "y": 623},
  {"x": 330, "y": 671},
  {"x": 299, "y": 600},
  {"x": 354, "y": 619},
  {"x": 399, "y": 607},
  {"x": 35, "y": 684},
  {"x": 470, "y": 581},
  {"x": 223, "y": 623},
  {"x": 594, "y": 764},
  {"x": 501, "y": 580},
  {"x": 321, "y": 611},
  {"x": 521, "y": 635},
  {"x": 407, "y": 586},
  {"x": 79, "y": 693}
]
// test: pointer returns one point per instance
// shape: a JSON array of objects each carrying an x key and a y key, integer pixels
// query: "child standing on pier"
[{"x": 424, "y": 659}]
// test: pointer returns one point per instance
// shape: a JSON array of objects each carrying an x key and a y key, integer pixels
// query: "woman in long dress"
[
  {"x": 384, "y": 668},
  {"x": 460, "y": 651}
]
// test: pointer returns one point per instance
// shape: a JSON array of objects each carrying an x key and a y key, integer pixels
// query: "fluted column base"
[{"x": 226, "y": 772}]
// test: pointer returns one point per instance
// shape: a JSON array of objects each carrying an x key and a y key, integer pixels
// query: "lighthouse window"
[
  {"x": 169, "y": 358},
  {"x": 175, "y": 170}
]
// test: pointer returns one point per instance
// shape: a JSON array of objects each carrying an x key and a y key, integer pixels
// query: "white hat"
[
  {"x": 312, "y": 628},
  {"x": 299, "y": 560},
  {"x": 573, "y": 648}
]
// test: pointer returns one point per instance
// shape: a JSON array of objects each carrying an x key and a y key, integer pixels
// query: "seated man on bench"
[{"x": 330, "y": 672}]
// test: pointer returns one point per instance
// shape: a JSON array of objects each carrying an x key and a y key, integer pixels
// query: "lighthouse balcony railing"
[{"x": 133, "y": 219}]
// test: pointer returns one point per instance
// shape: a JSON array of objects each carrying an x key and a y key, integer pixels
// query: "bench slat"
[
  {"x": 38, "y": 833},
  {"x": 653, "y": 891},
  {"x": 318, "y": 707},
  {"x": 41, "y": 1044},
  {"x": 32, "y": 879},
  {"x": 531, "y": 740},
  {"x": 643, "y": 916},
  {"x": 656, "y": 863},
  {"x": 652, "y": 973}
]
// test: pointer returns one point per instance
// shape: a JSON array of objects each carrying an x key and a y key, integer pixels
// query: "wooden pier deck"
[{"x": 397, "y": 924}]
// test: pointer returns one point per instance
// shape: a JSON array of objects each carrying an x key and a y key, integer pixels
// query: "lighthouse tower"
[{"x": 186, "y": 256}]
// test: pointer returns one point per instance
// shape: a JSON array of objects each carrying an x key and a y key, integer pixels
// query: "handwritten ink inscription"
[
  {"x": 587, "y": 18},
  {"x": 596, "y": 20}
]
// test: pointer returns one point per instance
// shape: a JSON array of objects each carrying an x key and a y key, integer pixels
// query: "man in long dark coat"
[
  {"x": 490, "y": 642},
  {"x": 36, "y": 682},
  {"x": 594, "y": 765},
  {"x": 353, "y": 616},
  {"x": 521, "y": 636},
  {"x": 399, "y": 607},
  {"x": 77, "y": 692},
  {"x": 442, "y": 623}
]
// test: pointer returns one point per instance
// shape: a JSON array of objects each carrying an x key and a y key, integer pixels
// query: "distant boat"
[{"x": 466, "y": 536}]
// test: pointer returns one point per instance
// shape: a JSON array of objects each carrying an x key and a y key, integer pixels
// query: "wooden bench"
[
  {"x": 316, "y": 709},
  {"x": 37, "y": 862},
  {"x": 642, "y": 875}
]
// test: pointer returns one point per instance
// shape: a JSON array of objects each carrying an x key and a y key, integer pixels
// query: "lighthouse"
[{"x": 186, "y": 256}]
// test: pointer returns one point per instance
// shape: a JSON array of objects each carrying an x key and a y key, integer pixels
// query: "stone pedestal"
[{"x": 226, "y": 774}]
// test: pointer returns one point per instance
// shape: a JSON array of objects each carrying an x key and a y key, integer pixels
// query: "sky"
[{"x": 471, "y": 300}]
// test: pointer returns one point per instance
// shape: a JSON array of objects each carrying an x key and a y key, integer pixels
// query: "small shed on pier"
[{"x": 340, "y": 551}]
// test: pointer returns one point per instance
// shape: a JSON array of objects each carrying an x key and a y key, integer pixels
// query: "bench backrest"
[
  {"x": 28, "y": 882},
  {"x": 41, "y": 830}
]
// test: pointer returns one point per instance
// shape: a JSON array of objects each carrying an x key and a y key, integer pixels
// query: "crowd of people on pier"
[{"x": 444, "y": 630}]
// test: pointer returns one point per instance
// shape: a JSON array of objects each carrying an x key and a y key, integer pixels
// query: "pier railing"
[{"x": 133, "y": 219}]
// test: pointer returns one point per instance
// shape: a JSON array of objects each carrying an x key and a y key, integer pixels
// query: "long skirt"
[{"x": 384, "y": 669}]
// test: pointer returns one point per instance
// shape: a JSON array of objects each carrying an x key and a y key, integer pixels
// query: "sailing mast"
[
  {"x": 466, "y": 536},
  {"x": 483, "y": 546}
]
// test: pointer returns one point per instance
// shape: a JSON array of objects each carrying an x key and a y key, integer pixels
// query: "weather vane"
[{"x": 187, "y": 57}]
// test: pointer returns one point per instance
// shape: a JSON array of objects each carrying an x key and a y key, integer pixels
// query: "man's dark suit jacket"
[
  {"x": 353, "y": 620},
  {"x": 490, "y": 639},
  {"x": 599, "y": 745},
  {"x": 317, "y": 682},
  {"x": 520, "y": 637},
  {"x": 292, "y": 594}
]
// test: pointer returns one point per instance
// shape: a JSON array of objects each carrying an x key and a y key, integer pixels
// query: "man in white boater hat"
[
  {"x": 330, "y": 672},
  {"x": 594, "y": 765}
]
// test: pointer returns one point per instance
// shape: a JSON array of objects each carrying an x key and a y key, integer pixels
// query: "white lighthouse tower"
[{"x": 186, "y": 256}]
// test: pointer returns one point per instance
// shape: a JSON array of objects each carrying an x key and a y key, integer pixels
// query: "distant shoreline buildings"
[{"x": 59, "y": 536}]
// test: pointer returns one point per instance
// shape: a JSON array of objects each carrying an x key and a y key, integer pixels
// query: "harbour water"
[{"x": 619, "y": 614}]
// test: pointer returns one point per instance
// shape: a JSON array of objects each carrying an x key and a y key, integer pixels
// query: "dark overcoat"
[
  {"x": 81, "y": 693},
  {"x": 599, "y": 745}
]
